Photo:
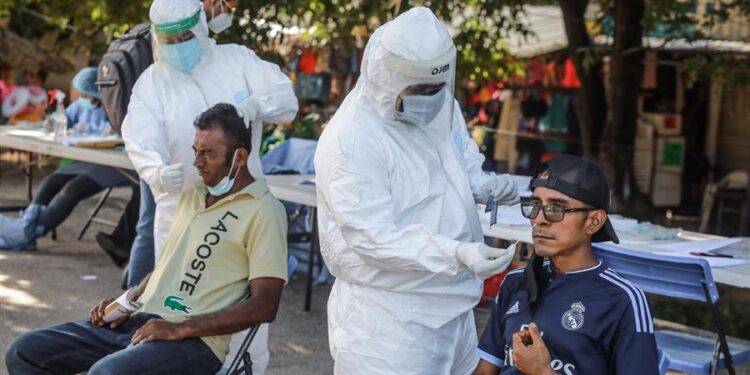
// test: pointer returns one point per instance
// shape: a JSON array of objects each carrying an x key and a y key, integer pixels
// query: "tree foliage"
[
  {"x": 479, "y": 26},
  {"x": 88, "y": 24}
]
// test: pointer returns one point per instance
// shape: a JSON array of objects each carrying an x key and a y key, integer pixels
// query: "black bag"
[{"x": 127, "y": 57}]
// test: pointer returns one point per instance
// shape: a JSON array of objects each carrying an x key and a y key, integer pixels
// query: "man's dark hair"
[{"x": 225, "y": 117}]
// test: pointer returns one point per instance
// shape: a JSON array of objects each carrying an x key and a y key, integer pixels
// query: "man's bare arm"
[
  {"x": 261, "y": 307},
  {"x": 138, "y": 290},
  {"x": 486, "y": 368}
]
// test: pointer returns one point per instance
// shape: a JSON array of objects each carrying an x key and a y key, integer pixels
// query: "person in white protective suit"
[
  {"x": 190, "y": 74},
  {"x": 398, "y": 179}
]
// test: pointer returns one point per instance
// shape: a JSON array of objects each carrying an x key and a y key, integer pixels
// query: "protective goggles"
[
  {"x": 427, "y": 89},
  {"x": 552, "y": 213},
  {"x": 422, "y": 89},
  {"x": 175, "y": 38},
  {"x": 177, "y": 31}
]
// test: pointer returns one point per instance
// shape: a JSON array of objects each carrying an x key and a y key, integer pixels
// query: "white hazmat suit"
[
  {"x": 158, "y": 130},
  {"x": 396, "y": 200}
]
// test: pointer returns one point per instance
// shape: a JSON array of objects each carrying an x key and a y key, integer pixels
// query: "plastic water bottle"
[{"x": 59, "y": 120}]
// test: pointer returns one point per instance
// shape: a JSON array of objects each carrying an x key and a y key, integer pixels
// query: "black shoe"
[{"x": 108, "y": 243}]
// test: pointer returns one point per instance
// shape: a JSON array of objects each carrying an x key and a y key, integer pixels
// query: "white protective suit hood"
[
  {"x": 395, "y": 200},
  {"x": 414, "y": 38}
]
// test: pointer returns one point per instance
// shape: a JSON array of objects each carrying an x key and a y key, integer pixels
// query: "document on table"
[{"x": 685, "y": 248}]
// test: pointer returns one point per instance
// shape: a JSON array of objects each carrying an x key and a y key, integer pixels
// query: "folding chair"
[
  {"x": 242, "y": 363},
  {"x": 95, "y": 211},
  {"x": 664, "y": 361},
  {"x": 683, "y": 278}
]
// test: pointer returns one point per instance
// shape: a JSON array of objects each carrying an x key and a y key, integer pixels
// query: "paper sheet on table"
[
  {"x": 684, "y": 248},
  {"x": 698, "y": 246},
  {"x": 506, "y": 215},
  {"x": 714, "y": 262},
  {"x": 93, "y": 141}
]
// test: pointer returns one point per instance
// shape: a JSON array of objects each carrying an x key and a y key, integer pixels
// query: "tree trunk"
[
  {"x": 626, "y": 71},
  {"x": 590, "y": 103}
]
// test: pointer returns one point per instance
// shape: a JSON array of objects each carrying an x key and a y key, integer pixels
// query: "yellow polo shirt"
[{"x": 211, "y": 253}]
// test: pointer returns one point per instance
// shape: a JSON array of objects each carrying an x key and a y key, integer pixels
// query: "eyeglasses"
[{"x": 552, "y": 212}]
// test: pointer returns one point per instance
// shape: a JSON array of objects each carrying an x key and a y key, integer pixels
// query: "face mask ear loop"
[
  {"x": 234, "y": 159},
  {"x": 213, "y": 9}
]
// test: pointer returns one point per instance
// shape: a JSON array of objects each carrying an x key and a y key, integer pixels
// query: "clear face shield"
[
  {"x": 176, "y": 42},
  {"x": 428, "y": 96}
]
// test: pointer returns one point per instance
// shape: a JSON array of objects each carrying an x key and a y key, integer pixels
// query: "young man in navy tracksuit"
[{"x": 571, "y": 314}]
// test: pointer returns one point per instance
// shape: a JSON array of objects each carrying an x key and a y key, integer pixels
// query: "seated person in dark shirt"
[{"x": 571, "y": 315}]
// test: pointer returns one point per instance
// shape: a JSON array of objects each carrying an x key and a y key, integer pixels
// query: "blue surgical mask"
[
  {"x": 183, "y": 55},
  {"x": 85, "y": 103},
  {"x": 226, "y": 183}
]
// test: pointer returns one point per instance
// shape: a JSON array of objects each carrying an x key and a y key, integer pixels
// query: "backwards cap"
[{"x": 580, "y": 179}]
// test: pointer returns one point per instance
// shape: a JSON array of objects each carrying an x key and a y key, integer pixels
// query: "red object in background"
[
  {"x": 670, "y": 122},
  {"x": 484, "y": 118},
  {"x": 547, "y": 156},
  {"x": 535, "y": 71},
  {"x": 492, "y": 287},
  {"x": 474, "y": 99},
  {"x": 570, "y": 77},
  {"x": 308, "y": 62}
]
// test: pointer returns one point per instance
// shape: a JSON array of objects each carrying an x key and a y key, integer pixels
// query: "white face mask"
[
  {"x": 220, "y": 22},
  {"x": 421, "y": 109},
  {"x": 226, "y": 183}
]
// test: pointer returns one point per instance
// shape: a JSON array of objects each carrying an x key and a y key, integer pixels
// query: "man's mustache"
[{"x": 541, "y": 232}]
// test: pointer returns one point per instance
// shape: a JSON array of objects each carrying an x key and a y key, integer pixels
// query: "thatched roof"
[{"x": 22, "y": 53}]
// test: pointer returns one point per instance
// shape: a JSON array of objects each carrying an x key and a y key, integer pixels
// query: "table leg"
[
  {"x": 27, "y": 171},
  {"x": 29, "y": 177},
  {"x": 311, "y": 257}
]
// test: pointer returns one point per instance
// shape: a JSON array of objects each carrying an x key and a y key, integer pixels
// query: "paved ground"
[{"x": 63, "y": 279}]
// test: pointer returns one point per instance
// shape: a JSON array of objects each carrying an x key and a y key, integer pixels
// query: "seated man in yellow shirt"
[{"x": 227, "y": 238}]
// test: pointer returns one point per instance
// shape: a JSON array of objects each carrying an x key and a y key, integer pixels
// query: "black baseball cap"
[{"x": 580, "y": 179}]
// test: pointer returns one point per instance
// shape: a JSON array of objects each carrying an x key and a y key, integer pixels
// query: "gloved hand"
[
  {"x": 248, "y": 109},
  {"x": 501, "y": 189},
  {"x": 171, "y": 177},
  {"x": 483, "y": 260}
]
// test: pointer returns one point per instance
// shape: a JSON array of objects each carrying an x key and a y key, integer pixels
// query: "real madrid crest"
[{"x": 573, "y": 318}]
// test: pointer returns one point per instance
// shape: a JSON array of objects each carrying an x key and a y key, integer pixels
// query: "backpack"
[{"x": 126, "y": 58}]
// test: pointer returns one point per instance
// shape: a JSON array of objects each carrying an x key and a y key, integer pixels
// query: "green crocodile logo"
[{"x": 174, "y": 303}]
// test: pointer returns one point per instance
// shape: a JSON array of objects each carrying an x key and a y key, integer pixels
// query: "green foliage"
[
  {"x": 480, "y": 27},
  {"x": 80, "y": 24},
  {"x": 676, "y": 19},
  {"x": 731, "y": 68}
]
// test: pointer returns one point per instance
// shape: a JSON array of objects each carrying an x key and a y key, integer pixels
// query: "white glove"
[
  {"x": 501, "y": 189},
  {"x": 483, "y": 260},
  {"x": 171, "y": 177},
  {"x": 248, "y": 109}
]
